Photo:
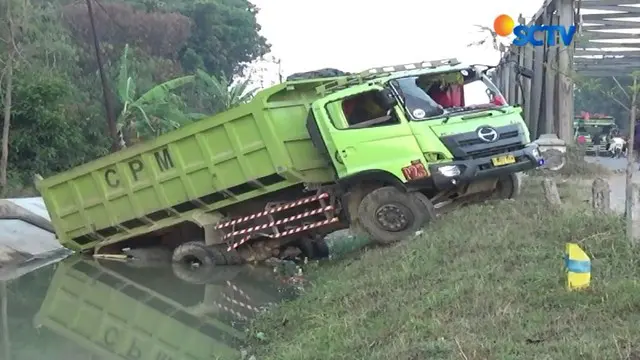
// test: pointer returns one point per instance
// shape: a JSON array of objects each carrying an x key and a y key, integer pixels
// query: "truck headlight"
[{"x": 449, "y": 170}]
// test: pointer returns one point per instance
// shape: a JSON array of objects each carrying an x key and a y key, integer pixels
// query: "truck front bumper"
[{"x": 450, "y": 174}]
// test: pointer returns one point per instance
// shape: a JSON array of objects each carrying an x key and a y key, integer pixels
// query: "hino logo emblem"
[{"x": 487, "y": 134}]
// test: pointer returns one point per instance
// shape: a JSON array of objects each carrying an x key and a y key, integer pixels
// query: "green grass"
[{"x": 484, "y": 282}]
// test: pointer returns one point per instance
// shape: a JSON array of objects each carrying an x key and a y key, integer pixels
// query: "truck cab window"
[
  {"x": 418, "y": 103},
  {"x": 435, "y": 95},
  {"x": 365, "y": 110}
]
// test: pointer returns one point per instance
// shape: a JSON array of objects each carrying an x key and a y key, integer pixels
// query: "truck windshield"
[{"x": 433, "y": 96}]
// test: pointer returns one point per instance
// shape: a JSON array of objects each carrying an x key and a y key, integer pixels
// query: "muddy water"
[{"x": 88, "y": 309}]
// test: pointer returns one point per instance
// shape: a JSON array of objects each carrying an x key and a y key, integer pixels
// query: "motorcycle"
[{"x": 617, "y": 147}]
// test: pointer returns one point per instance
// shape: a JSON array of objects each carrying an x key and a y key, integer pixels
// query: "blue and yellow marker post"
[{"x": 577, "y": 266}]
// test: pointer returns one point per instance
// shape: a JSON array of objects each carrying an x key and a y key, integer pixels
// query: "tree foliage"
[
  {"x": 604, "y": 95},
  {"x": 181, "y": 58},
  {"x": 156, "y": 33},
  {"x": 224, "y": 37},
  {"x": 47, "y": 134},
  {"x": 153, "y": 112}
]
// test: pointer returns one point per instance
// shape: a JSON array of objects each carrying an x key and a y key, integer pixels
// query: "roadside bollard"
[{"x": 577, "y": 267}]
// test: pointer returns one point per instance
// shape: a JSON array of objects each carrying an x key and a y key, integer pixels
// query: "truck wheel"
[
  {"x": 321, "y": 248},
  {"x": 305, "y": 245},
  {"x": 429, "y": 208},
  {"x": 193, "y": 262},
  {"x": 507, "y": 187},
  {"x": 313, "y": 249},
  {"x": 226, "y": 257},
  {"x": 390, "y": 215}
]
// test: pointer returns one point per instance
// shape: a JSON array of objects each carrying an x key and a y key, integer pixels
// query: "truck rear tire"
[
  {"x": 313, "y": 249},
  {"x": 225, "y": 257},
  {"x": 389, "y": 215},
  {"x": 193, "y": 263}
]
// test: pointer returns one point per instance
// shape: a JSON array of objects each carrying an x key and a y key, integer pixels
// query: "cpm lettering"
[
  {"x": 136, "y": 166},
  {"x": 529, "y": 34}
]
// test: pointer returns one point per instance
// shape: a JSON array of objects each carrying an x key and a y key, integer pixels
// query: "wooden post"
[
  {"x": 527, "y": 83},
  {"x": 506, "y": 69},
  {"x": 520, "y": 79},
  {"x": 550, "y": 84},
  {"x": 600, "y": 195},
  {"x": 536, "y": 90},
  {"x": 498, "y": 78},
  {"x": 565, "y": 65},
  {"x": 513, "y": 85},
  {"x": 629, "y": 196},
  {"x": 551, "y": 192}
]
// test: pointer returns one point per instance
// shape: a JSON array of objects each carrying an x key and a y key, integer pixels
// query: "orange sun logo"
[{"x": 503, "y": 25}]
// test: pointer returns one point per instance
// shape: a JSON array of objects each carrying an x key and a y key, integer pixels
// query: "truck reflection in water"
[{"x": 119, "y": 312}]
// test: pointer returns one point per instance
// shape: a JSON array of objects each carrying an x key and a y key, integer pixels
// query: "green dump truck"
[
  {"x": 595, "y": 129},
  {"x": 115, "y": 312},
  {"x": 374, "y": 151}
]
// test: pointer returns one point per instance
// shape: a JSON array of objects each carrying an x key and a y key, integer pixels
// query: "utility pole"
[
  {"x": 106, "y": 91},
  {"x": 629, "y": 193}
]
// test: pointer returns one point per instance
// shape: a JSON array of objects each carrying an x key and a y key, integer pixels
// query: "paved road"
[{"x": 613, "y": 164}]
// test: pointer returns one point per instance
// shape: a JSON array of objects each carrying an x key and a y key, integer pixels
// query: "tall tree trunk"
[
  {"x": 4, "y": 159},
  {"x": 631, "y": 165}
]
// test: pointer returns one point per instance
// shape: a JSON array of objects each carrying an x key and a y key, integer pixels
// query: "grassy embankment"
[{"x": 484, "y": 282}]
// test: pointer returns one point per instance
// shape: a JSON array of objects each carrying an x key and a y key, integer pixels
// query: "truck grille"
[{"x": 468, "y": 145}]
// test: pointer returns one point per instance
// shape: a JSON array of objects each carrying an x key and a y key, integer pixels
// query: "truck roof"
[{"x": 384, "y": 74}]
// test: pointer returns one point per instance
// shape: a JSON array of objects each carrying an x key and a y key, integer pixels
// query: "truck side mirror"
[{"x": 386, "y": 99}]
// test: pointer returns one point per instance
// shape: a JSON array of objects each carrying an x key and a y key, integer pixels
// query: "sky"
[{"x": 355, "y": 35}]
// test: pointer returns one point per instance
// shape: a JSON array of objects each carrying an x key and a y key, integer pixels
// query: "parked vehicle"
[
  {"x": 373, "y": 151},
  {"x": 595, "y": 131}
]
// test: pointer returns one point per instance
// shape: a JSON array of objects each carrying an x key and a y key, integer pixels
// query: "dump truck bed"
[{"x": 256, "y": 148}]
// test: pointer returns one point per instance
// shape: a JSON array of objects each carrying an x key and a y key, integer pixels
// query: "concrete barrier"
[{"x": 27, "y": 238}]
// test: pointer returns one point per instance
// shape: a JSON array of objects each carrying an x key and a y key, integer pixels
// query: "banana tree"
[
  {"x": 156, "y": 111},
  {"x": 224, "y": 93}
]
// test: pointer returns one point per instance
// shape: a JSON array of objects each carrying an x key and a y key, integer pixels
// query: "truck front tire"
[
  {"x": 507, "y": 187},
  {"x": 389, "y": 215}
]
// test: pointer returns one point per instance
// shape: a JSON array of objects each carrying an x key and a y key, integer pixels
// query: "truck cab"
[{"x": 435, "y": 128}]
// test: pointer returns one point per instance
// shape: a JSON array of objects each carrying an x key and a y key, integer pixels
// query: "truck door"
[{"x": 359, "y": 135}]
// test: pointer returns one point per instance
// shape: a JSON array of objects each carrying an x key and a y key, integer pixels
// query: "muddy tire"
[
  {"x": 389, "y": 215},
  {"x": 225, "y": 257},
  {"x": 507, "y": 187},
  {"x": 429, "y": 208},
  {"x": 193, "y": 262},
  {"x": 321, "y": 248},
  {"x": 305, "y": 245},
  {"x": 313, "y": 249}
]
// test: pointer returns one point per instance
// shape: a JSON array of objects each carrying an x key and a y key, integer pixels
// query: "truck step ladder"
[{"x": 246, "y": 233}]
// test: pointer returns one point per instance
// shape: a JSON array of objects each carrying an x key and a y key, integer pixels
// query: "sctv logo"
[{"x": 504, "y": 25}]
